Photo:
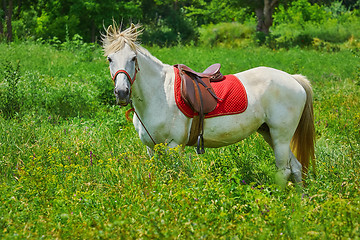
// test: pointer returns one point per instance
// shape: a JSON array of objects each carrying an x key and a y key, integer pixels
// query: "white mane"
[{"x": 115, "y": 39}]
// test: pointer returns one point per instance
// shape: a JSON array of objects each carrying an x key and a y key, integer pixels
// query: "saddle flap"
[
  {"x": 188, "y": 90},
  {"x": 204, "y": 102}
]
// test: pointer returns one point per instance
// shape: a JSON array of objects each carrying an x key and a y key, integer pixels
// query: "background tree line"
[{"x": 167, "y": 21}]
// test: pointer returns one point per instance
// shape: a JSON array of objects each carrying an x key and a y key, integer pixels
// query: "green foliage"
[
  {"x": 170, "y": 23},
  {"x": 218, "y": 11},
  {"x": 170, "y": 28},
  {"x": 89, "y": 176},
  {"x": 242, "y": 166},
  {"x": 70, "y": 18},
  {"x": 54, "y": 18},
  {"x": 298, "y": 24},
  {"x": 25, "y": 26},
  {"x": 301, "y": 24},
  {"x": 299, "y": 12},
  {"x": 56, "y": 26},
  {"x": 291, "y": 35},
  {"x": 170, "y": 32}
]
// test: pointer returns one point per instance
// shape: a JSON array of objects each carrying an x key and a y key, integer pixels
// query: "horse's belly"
[{"x": 226, "y": 130}]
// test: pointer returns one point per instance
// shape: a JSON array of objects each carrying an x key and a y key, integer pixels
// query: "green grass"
[{"x": 71, "y": 166}]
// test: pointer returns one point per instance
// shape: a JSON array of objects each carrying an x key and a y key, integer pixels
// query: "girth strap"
[{"x": 200, "y": 142}]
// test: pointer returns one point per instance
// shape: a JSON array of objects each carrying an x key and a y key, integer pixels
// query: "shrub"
[
  {"x": 290, "y": 35},
  {"x": 318, "y": 44},
  {"x": 228, "y": 34},
  {"x": 353, "y": 43}
]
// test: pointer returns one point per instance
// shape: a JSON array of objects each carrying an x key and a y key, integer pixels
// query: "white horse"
[{"x": 279, "y": 105}]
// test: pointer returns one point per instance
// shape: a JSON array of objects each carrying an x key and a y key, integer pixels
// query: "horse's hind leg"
[
  {"x": 282, "y": 153},
  {"x": 282, "y": 159},
  {"x": 296, "y": 168},
  {"x": 287, "y": 164},
  {"x": 285, "y": 160}
]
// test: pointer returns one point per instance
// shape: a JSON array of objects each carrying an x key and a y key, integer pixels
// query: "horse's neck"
[{"x": 148, "y": 88}]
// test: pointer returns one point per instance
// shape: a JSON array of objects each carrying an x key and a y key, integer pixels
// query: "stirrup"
[{"x": 200, "y": 145}]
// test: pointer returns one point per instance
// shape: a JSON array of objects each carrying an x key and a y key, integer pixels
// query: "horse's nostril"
[{"x": 122, "y": 93}]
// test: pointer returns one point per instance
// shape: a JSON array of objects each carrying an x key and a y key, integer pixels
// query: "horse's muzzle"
[
  {"x": 122, "y": 97},
  {"x": 122, "y": 102}
]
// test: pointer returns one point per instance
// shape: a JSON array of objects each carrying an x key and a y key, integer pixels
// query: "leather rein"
[{"x": 132, "y": 109}]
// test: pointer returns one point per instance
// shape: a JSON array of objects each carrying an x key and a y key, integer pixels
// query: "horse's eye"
[
  {"x": 109, "y": 59},
  {"x": 133, "y": 59}
]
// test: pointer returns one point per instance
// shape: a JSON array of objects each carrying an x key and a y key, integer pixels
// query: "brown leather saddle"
[{"x": 198, "y": 93}]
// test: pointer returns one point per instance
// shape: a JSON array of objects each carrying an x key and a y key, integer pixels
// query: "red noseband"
[{"x": 127, "y": 75}]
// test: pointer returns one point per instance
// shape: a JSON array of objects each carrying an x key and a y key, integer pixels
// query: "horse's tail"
[{"x": 302, "y": 143}]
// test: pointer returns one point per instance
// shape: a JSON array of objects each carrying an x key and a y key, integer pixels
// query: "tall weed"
[{"x": 10, "y": 98}]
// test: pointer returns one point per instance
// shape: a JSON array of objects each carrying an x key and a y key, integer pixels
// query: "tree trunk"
[
  {"x": 264, "y": 16},
  {"x": 2, "y": 18},
  {"x": 1, "y": 27},
  {"x": 9, "y": 34}
]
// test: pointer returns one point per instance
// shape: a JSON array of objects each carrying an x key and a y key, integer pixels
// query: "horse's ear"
[
  {"x": 111, "y": 30},
  {"x": 108, "y": 30},
  {"x": 133, "y": 28}
]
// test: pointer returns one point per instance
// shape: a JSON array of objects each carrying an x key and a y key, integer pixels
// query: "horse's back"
[
  {"x": 280, "y": 95},
  {"x": 268, "y": 85},
  {"x": 264, "y": 77}
]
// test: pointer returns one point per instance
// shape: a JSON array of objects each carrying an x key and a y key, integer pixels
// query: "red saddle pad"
[{"x": 230, "y": 90}]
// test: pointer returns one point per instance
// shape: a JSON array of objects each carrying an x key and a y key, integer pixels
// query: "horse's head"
[
  {"x": 123, "y": 68},
  {"x": 121, "y": 51}
]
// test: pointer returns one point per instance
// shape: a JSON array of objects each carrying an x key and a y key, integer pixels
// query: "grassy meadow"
[{"x": 72, "y": 167}]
